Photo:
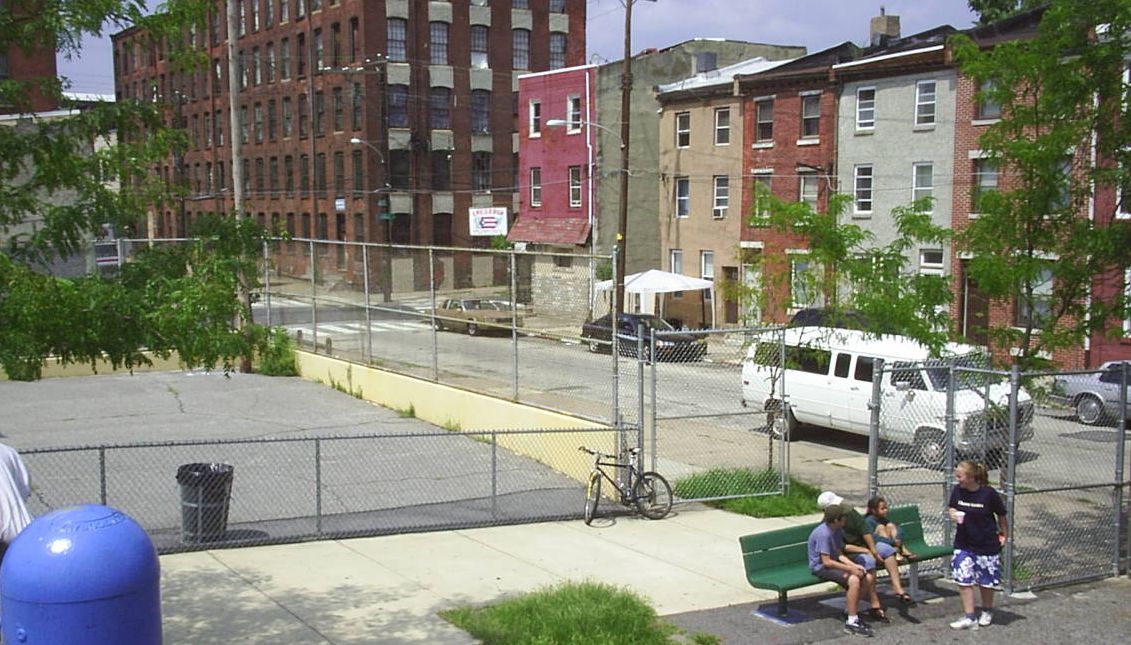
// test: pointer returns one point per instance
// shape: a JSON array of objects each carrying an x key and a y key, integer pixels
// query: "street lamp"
[{"x": 385, "y": 216}]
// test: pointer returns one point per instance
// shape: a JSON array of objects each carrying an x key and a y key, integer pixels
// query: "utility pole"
[
  {"x": 625, "y": 131},
  {"x": 234, "y": 106}
]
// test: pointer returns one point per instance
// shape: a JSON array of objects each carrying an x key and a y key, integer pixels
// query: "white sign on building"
[{"x": 488, "y": 221}]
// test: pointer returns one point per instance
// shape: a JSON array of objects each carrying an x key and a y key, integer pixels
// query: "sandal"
[
  {"x": 908, "y": 555},
  {"x": 879, "y": 615},
  {"x": 906, "y": 598}
]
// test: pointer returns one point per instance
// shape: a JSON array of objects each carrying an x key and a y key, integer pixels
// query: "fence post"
[
  {"x": 948, "y": 472},
  {"x": 1120, "y": 456},
  {"x": 654, "y": 398},
  {"x": 874, "y": 429},
  {"x": 1011, "y": 474},
  {"x": 102, "y": 474},
  {"x": 432, "y": 298},
  {"x": 514, "y": 327},
  {"x": 318, "y": 485},
  {"x": 781, "y": 418},
  {"x": 614, "y": 321},
  {"x": 266, "y": 283},
  {"x": 494, "y": 475},
  {"x": 641, "y": 361},
  {"x": 313, "y": 298},
  {"x": 368, "y": 311}
]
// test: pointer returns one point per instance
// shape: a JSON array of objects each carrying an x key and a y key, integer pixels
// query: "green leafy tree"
[
  {"x": 849, "y": 271},
  {"x": 1041, "y": 239},
  {"x": 993, "y": 10}
]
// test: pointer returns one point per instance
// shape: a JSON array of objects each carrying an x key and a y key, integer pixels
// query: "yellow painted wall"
[
  {"x": 467, "y": 412},
  {"x": 53, "y": 368}
]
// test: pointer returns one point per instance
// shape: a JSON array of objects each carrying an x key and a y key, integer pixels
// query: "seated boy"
[{"x": 828, "y": 562}]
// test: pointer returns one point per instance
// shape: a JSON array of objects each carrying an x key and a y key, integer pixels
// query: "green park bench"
[{"x": 779, "y": 560}]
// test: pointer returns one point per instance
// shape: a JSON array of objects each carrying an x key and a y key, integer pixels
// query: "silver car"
[{"x": 1094, "y": 396}]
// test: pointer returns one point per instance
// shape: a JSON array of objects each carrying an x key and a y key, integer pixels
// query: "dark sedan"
[{"x": 671, "y": 345}]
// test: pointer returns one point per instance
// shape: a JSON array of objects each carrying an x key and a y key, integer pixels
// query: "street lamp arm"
[
  {"x": 362, "y": 142},
  {"x": 561, "y": 123}
]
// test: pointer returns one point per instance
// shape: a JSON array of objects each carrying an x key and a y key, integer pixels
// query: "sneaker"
[
  {"x": 986, "y": 618},
  {"x": 859, "y": 628},
  {"x": 965, "y": 622}
]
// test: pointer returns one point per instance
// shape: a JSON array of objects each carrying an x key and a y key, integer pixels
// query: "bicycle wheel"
[
  {"x": 653, "y": 496},
  {"x": 592, "y": 496}
]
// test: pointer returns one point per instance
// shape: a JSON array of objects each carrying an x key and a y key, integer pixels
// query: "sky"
[{"x": 815, "y": 24}]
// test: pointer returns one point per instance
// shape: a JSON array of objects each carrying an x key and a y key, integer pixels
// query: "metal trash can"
[{"x": 205, "y": 492}]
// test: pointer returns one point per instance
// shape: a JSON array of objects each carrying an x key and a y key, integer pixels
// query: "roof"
[
  {"x": 890, "y": 346},
  {"x": 722, "y": 75},
  {"x": 550, "y": 229}
]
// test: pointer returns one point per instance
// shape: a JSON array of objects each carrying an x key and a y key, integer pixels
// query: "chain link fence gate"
[
  {"x": 1063, "y": 496},
  {"x": 706, "y": 436}
]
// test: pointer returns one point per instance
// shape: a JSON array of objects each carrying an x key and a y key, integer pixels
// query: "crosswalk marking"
[{"x": 359, "y": 327}]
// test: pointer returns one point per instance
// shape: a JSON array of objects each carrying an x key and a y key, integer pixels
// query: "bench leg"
[
  {"x": 783, "y": 610},
  {"x": 913, "y": 579}
]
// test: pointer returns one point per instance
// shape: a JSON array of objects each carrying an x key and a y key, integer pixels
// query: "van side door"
[
  {"x": 840, "y": 384},
  {"x": 859, "y": 393}
]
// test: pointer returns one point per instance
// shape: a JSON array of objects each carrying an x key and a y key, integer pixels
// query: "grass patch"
[
  {"x": 277, "y": 354},
  {"x": 406, "y": 413},
  {"x": 570, "y": 614},
  {"x": 720, "y": 482}
]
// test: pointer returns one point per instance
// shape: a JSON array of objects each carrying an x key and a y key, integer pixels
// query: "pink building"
[{"x": 557, "y": 151}]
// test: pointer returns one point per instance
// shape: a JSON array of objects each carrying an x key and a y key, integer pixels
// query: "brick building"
[{"x": 375, "y": 120}]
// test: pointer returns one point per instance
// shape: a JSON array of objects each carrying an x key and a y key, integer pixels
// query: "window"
[
  {"x": 303, "y": 116},
  {"x": 761, "y": 203},
  {"x": 243, "y": 124},
  {"x": 338, "y": 105},
  {"x": 722, "y": 196},
  {"x": 339, "y": 174},
  {"x": 319, "y": 113},
  {"x": 440, "y": 102},
  {"x": 479, "y": 40},
  {"x": 682, "y": 129},
  {"x": 866, "y": 108},
  {"x": 808, "y": 186},
  {"x": 863, "y": 186},
  {"x": 865, "y": 368},
  {"x": 1127, "y": 298},
  {"x": 985, "y": 182},
  {"x": 987, "y": 108},
  {"x": 288, "y": 117},
  {"x": 1062, "y": 200},
  {"x": 260, "y": 174},
  {"x": 480, "y": 111},
  {"x": 398, "y": 106},
  {"x": 284, "y": 10},
  {"x": 399, "y": 169},
  {"x": 810, "y": 116},
  {"x": 931, "y": 262},
  {"x": 304, "y": 173},
  {"x": 438, "y": 32},
  {"x": 358, "y": 165},
  {"x": 764, "y": 121},
  {"x": 397, "y": 40},
  {"x": 272, "y": 120},
  {"x": 925, "y": 103},
  {"x": 535, "y": 119},
  {"x": 520, "y": 48},
  {"x": 722, "y": 126},
  {"x": 575, "y": 186},
  {"x": 269, "y": 68},
  {"x": 557, "y": 50},
  {"x": 535, "y": 186},
  {"x": 840, "y": 367},
  {"x": 557, "y": 6},
  {"x": 1035, "y": 303},
  {"x": 320, "y": 173},
  {"x": 356, "y": 109},
  {"x": 481, "y": 171},
  {"x": 707, "y": 265},
  {"x": 800, "y": 288},
  {"x": 300, "y": 55},
  {"x": 319, "y": 53},
  {"x": 923, "y": 182},
  {"x": 355, "y": 39},
  {"x": 273, "y": 177},
  {"x": 676, "y": 258},
  {"x": 1123, "y": 194},
  {"x": 441, "y": 170},
  {"x": 573, "y": 114},
  {"x": 521, "y": 4},
  {"x": 335, "y": 45},
  {"x": 285, "y": 59},
  {"x": 289, "y": 175},
  {"x": 682, "y": 197}
]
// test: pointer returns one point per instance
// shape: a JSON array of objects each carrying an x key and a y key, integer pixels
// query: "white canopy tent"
[{"x": 654, "y": 281}]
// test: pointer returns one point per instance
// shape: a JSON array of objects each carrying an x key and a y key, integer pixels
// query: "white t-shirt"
[{"x": 15, "y": 488}]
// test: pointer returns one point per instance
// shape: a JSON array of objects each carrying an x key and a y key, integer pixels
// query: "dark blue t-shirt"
[{"x": 978, "y": 531}]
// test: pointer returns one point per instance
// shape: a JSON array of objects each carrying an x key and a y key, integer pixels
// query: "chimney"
[{"x": 883, "y": 29}]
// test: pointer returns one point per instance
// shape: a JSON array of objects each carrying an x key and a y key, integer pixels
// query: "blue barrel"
[{"x": 85, "y": 574}]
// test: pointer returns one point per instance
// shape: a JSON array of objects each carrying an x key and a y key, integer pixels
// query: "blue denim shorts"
[{"x": 968, "y": 569}]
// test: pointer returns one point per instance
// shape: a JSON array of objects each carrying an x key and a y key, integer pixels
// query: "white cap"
[{"x": 828, "y": 498}]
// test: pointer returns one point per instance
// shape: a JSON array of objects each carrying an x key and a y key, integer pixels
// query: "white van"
[{"x": 828, "y": 383}]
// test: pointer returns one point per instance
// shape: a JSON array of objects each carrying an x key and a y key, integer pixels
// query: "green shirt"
[{"x": 855, "y": 528}]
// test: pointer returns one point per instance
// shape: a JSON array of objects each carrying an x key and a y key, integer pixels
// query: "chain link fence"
[
  {"x": 294, "y": 489},
  {"x": 706, "y": 435},
  {"x": 1063, "y": 479}
]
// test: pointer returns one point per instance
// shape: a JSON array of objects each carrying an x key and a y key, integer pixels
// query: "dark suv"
[{"x": 671, "y": 345}]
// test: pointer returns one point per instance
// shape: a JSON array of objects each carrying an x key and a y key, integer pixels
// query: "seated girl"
[{"x": 883, "y": 529}]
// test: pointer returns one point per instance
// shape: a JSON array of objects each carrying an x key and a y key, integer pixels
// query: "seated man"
[
  {"x": 828, "y": 562},
  {"x": 861, "y": 546}
]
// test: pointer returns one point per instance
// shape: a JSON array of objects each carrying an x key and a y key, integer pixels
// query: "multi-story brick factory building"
[{"x": 375, "y": 120}]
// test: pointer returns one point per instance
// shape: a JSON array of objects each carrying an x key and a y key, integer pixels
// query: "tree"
[
  {"x": 848, "y": 271},
  {"x": 993, "y": 10},
  {"x": 1062, "y": 140},
  {"x": 55, "y": 196}
]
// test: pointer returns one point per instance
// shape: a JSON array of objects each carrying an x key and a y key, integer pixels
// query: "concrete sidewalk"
[{"x": 388, "y": 590}]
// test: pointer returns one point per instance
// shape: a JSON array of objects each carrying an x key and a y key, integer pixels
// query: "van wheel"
[
  {"x": 930, "y": 444},
  {"x": 792, "y": 427}
]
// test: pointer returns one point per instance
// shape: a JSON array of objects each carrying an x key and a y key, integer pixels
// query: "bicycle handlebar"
[{"x": 596, "y": 453}]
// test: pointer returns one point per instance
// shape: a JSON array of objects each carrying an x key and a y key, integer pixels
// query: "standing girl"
[{"x": 981, "y": 528}]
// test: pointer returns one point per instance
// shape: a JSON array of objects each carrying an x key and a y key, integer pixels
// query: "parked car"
[
  {"x": 1094, "y": 396},
  {"x": 475, "y": 316},
  {"x": 671, "y": 344},
  {"x": 838, "y": 318}
]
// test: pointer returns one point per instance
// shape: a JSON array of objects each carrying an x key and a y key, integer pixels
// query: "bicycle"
[{"x": 650, "y": 492}]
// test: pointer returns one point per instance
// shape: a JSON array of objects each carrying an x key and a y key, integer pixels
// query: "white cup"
[{"x": 960, "y": 516}]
